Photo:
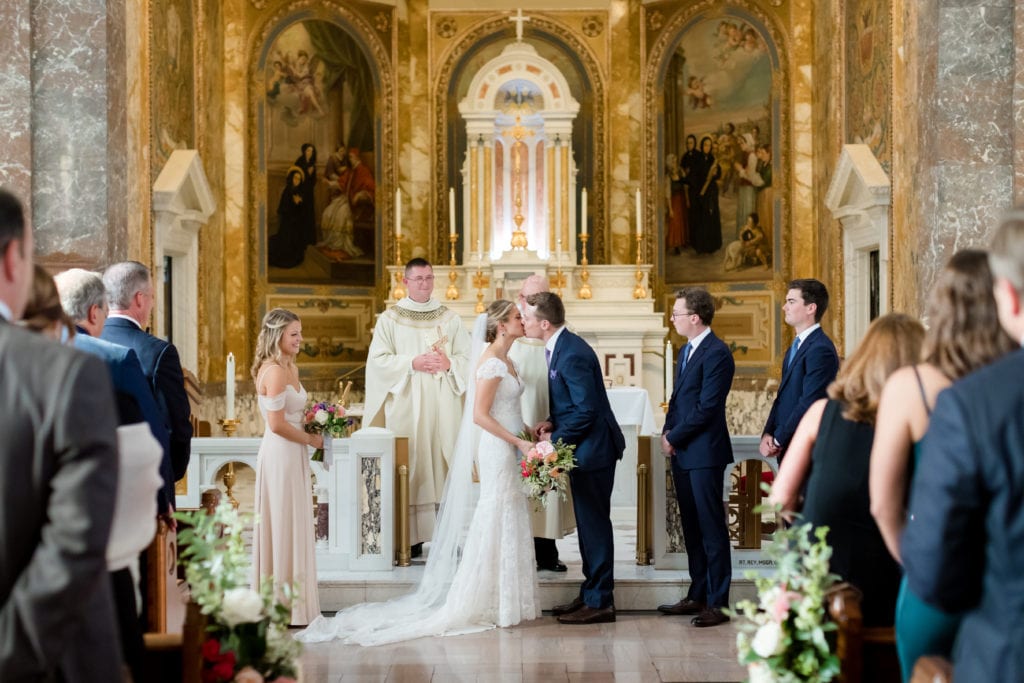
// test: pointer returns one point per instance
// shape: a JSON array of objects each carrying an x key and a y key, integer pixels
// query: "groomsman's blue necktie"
[
  {"x": 686, "y": 356},
  {"x": 792, "y": 352}
]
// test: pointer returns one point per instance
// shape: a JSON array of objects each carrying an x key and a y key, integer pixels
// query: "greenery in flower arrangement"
[
  {"x": 248, "y": 639},
  {"x": 782, "y": 637}
]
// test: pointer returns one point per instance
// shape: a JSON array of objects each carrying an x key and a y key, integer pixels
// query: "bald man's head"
[{"x": 533, "y": 285}]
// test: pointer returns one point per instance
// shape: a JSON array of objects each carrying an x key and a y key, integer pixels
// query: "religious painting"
[
  {"x": 869, "y": 76},
  {"x": 172, "y": 95},
  {"x": 320, "y": 147},
  {"x": 717, "y": 206}
]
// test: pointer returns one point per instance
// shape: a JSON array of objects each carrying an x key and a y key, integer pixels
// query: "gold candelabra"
[
  {"x": 558, "y": 281},
  {"x": 480, "y": 281},
  {"x": 639, "y": 292},
  {"x": 344, "y": 387},
  {"x": 585, "y": 292},
  {"x": 399, "y": 291},
  {"x": 453, "y": 292}
]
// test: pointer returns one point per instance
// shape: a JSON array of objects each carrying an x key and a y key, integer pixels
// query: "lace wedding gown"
[{"x": 494, "y": 581}]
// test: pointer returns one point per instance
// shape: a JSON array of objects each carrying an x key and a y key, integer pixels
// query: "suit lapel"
[
  {"x": 560, "y": 344},
  {"x": 787, "y": 370}
]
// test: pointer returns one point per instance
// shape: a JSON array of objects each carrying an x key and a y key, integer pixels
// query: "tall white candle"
[
  {"x": 583, "y": 211},
  {"x": 480, "y": 248},
  {"x": 398, "y": 212},
  {"x": 639, "y": 230},
  {"x": 229, "y": 392},
  {"x": 668, "y": 370},
  {"x": 451, "y": 210}
]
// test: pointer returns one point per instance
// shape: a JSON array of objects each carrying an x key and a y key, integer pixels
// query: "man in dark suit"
[
  {"x": 809, "y": 367},
  {"x": 963, "y": 546},
  {"x": 130, "y": 294},
  {"x": 697, "y": 439},
  {"x": 581, "y": 415},
  {"x": 58, "y": 481}
]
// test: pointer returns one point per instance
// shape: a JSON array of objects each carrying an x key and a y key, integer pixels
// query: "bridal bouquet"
[
  {"x": 544, "y": 469},
  {"x": 782, "y": 637},
  {"x": 247, "y": 637},
  {"x": 327, "y": 419}
]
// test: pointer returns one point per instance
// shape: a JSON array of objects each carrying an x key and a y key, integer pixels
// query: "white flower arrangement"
[{"x": 782, "y": 637}]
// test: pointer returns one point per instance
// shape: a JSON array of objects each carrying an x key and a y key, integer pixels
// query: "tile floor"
[{"x": 640, "y": 647}]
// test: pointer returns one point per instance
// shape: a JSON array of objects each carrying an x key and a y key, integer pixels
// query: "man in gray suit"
[{"x": 58, "y": 480}]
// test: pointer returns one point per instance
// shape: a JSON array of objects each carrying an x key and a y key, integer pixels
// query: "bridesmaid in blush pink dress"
[{"x": 283, "y": 535}]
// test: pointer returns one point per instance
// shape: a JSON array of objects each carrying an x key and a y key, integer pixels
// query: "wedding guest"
[
  {"x": 283, "y": 542},
  {"x": 963, "y": 335},
  {"x": 58, "y": 468},
  {"x": 830, "y": 453},
  {"x": 963, "y": 547},
  {"x": 43, "y": 312}
]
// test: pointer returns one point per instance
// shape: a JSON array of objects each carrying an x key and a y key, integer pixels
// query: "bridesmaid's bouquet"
[
  {"x": 544, "y": 469},
  {"x": 327, "y": 419}
]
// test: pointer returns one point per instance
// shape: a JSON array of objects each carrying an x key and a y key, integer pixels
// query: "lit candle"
[
  {"x": 229, "y": 392},
  {"x": 668, "y": 370},
  {"x": 398, "y": 213},
  {"x": 451, "y": 210},
  {"x": 639, "y": 230},
  {"x": 583, "y": 211},
  {"x": 480, "y": 248}
]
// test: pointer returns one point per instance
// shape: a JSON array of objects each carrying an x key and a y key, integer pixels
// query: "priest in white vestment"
[
  {"x": 414, "y": 387},
  {"x": 557, "y": 519}
]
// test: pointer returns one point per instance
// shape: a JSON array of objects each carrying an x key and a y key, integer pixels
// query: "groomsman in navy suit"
[
  {"x": 809, "y": 367},
  {"x": 963, "y": 546},
  {"x": 696, "y": 438},
  {"x": 581, "y": 415}
]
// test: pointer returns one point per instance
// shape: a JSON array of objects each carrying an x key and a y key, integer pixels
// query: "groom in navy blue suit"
[
  {"x": 580, "y": 414},
  {"x": 696, "y": 438},
  {"x": 809, "y": 367}
]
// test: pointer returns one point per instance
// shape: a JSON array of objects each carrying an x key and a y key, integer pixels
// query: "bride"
[{"x": 480, "y": 566}]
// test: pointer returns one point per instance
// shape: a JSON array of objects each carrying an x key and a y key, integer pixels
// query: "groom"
[{"x": 580, "y": 415}]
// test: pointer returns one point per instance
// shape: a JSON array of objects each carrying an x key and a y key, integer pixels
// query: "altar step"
[{"x": 637, "y": 588}]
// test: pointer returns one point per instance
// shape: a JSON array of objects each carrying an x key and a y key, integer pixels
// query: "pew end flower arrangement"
[
  {"x": 782, "y": 638},
  {"x": 545, "y": 469},
  {"x": 328, "y": 419},
  {"x": 247, "y": 639}
]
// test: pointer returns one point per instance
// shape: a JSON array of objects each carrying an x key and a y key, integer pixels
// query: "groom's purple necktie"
[{"x": 547, "y": 355}]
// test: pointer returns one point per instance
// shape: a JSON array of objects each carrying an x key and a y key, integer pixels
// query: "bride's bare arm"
[{"x": 485, "y": 391}]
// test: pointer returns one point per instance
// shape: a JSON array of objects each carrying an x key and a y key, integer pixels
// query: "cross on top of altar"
[{"x": 518, "y": 20}]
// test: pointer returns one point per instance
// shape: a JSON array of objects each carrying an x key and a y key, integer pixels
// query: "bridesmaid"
[
  {"x": 283, "y": 535},
  {"x": 963, "y": 335}
]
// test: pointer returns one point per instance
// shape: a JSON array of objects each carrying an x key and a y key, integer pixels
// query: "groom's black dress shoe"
[
  {"x": 559, "y": 610},
  {"x": 416, "y": 550},
  {"x": 712, "y": 616},
  {"x": 555, "y": 567},
  {"x": 684, "y": 606},
  {"x": 589, "y": 615}
]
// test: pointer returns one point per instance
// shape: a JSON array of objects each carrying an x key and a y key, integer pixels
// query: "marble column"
[
  {"x": 15, "y": 77},
  {"x": 77, "y": 117}
]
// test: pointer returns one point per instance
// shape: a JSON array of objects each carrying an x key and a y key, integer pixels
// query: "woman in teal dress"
[{"x": 963, "y": 335}]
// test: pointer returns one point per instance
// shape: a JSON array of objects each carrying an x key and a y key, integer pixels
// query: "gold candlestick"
[
  {"x": 639, "y": 292},
  {"x": 399, "y": 291},
  {"x": 229, "y": 484},
  {"x": 453, "y": 292},
  {"x": 229, "y": 426},
  {"x": 585, "y": 292},
  {"x": 344, "y": 388},
  {"x": 479, "y": 282}
]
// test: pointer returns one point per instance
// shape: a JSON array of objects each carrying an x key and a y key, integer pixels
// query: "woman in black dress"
[
  {"x": 830, "y": 454},
  {"x": 307, "y": 162},
  {"x": 705, "y": 220}
]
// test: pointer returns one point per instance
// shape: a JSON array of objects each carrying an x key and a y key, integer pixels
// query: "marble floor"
[{"x": 640, "y": 646}]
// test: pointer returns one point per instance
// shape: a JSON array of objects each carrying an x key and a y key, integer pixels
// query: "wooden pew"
[{"x": 865, "y": 653}]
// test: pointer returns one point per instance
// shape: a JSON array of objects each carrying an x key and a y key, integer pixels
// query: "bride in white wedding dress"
[{"x": 480, "y": 564}]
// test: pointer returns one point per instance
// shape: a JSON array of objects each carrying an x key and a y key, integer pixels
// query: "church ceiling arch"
[
  {"x": 321, "y": 143},
  {"x": 717, "y": 97},
  {"x": 462, "y": 63}
]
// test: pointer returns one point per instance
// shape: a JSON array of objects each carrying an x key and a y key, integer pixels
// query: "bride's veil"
[{"x": 420, "y": 613}]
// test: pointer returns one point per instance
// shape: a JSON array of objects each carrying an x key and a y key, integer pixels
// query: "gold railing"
[
  {"x": 403, "y": 553},
  {"x": 644, "y": 508}
]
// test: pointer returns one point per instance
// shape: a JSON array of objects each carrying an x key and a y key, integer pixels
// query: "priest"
[{"x": 415, "y": 381}]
